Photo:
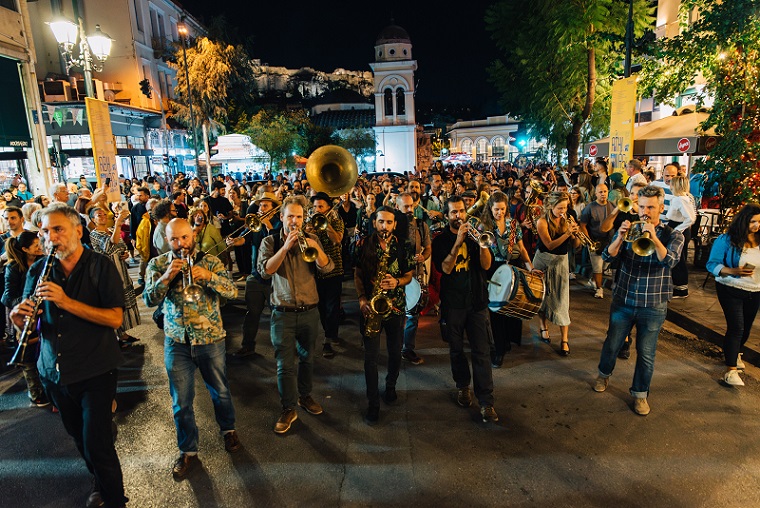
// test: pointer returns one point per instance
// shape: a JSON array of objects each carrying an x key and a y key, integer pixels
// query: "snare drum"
[
  {"x": 515, "y": 292},
  {"x": 413, "y": 292}
]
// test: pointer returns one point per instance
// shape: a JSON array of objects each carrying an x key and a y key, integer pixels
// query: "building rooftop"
[
  {"x": 392, "y": 34},
  {"x": 346, "y": 119}
]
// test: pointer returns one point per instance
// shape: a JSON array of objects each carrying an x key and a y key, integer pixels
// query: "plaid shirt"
[{"x": 644, "y": 281}]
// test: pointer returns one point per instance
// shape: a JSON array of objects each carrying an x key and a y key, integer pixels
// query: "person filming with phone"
[{"x": 733, "y": 260}]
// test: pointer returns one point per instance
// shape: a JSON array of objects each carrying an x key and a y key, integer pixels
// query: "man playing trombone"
[
  {"x": 189, "y": 284},
  {"x": 292, "y": 260},
  {"x": 641, "y": 294}
]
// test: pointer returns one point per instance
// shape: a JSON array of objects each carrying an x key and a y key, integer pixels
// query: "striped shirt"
[
  {"x": 668, "y": 197},
  {"x": 644, "y": 281}
]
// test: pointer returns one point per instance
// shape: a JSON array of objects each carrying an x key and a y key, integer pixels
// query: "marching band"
[{"x": 470, "y": 250}]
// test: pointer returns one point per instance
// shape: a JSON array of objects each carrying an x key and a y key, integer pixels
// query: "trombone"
[
  {"x": 253, "y": 222},
  {"x": 641, "y": 243},
  {"x": 319, "y": 220},
  {"x": 308, "y": 253}
]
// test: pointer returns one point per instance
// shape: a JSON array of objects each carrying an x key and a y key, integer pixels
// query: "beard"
[
  {"x": 63, "y": 250},
  {"x": 415, "y": 195},
  {"x": 181, "y": 251}
]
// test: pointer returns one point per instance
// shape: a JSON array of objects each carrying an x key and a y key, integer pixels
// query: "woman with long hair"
[
  {"x": 682, "y": 213},
  {"x": 555, "y": 236},
  {"x": 243, "y": 252},
  {"x": 108, "y": 242},
  {"x": 364, "y": 214},
  {"x": 508, "y": 248},
  {"x": 23, "y": 250},
  {"x": 734, "y": 259}
]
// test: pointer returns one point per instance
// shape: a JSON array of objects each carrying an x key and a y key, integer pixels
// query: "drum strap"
[{"x": 522, "y": 280}]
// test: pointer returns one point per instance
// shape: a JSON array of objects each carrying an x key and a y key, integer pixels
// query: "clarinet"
[{"x": 30, "y": 322}]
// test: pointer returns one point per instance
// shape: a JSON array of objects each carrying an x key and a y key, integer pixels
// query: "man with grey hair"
[
  {"x": 641, "y": 295},
  {"x": 79, "y": 355},
  {"x": 59, "y": 194},
  {"x": 635, "y": 174}
]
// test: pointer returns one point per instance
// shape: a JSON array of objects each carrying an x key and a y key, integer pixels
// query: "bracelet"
[{"x": 398, "y": 282}]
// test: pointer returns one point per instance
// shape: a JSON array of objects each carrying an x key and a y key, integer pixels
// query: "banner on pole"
[
  {"x": 622, "y": 117},
  {"x": 103, "y": 147}
]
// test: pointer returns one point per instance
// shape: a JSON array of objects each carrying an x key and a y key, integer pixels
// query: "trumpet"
[
  {"x": 484, "y": 239},
  {"x": 308, "y": 253},
  {"x": 191, "y": 292},
  {"x": 625, "y": 204},
  {"x": 583, "y": 237},
  {"x": 641, "y": 243}
]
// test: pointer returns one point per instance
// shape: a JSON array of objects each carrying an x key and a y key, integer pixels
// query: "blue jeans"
[
  {"x": 648, "y": 321},
  {"x": 410, "y": 332},
  {"x": 181, "y": 360},
  {"x": 294, "y": 333}
]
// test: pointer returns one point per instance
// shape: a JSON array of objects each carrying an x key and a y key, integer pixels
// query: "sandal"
[
  {"x": 545, "y": 336},
  {"x": 564, "y": 348}
]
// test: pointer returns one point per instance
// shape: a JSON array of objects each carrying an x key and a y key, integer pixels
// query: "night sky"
[{"x": 449, "y": 42}]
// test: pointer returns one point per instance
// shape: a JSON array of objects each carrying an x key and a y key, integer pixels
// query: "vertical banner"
[
  {"x": 622, "y": 117},
  {"x": 103, "y": 147}
]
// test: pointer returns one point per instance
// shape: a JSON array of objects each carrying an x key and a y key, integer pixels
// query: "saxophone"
[{"x": 380, "y": 304}]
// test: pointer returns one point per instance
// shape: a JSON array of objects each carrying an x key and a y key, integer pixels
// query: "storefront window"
[{"x": 140, "y": 166}]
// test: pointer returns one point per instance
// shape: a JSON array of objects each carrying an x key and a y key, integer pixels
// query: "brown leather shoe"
[
  {"x": 310, "y": 405},
  {"x": 184, "y": 464},
  {"x": 286, "y": 419},
  {"x": 231, "y": 442}
]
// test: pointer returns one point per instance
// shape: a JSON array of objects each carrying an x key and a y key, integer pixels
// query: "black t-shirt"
[
  {"x": 73, "y": 349},
  {"x": 349, "y": 217},
  {"x": 221, "y": 205},
  {"x": 564, "y": 246},
  {"x": 464, "y": 287}
]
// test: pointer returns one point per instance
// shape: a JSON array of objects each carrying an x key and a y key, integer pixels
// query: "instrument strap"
[{"x": 521, "y": 279}]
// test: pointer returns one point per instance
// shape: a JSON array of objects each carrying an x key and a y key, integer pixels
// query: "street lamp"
[
  {"x": 182, "y": 29},
  {"x": 93, "y": 49}
]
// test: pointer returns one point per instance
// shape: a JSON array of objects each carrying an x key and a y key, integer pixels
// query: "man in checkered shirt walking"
[{"x": 641, "y": 295}]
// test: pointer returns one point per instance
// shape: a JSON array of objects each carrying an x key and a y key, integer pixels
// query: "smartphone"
[{"x": 749, "y": 266}]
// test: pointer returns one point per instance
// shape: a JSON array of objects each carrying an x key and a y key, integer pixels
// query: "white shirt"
[
  {"x": 637, "y": 178},
  {"x": 752, "y": 283},
  {"x": 682, "y": 210}
]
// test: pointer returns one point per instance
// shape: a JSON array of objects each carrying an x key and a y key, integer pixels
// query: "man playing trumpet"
[
  {"x": 286, "y": 258},
  {"x": 641, "y": 295}
]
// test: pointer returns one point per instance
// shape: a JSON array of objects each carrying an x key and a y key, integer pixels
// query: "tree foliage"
[
  {"x": 359, "y": 142},
  {"x": 558, "y": 61},
  {"x": 279, "y": 134},
  {"x": 720, "y": 47}
]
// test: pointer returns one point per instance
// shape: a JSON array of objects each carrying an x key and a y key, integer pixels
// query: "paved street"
[{"x": 558, "y": 443}]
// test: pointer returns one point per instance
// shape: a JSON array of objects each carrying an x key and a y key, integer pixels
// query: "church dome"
[{"x": 392, "y": 34}]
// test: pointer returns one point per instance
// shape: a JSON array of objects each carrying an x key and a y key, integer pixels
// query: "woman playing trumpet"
[{"x": 555, "y": 236}]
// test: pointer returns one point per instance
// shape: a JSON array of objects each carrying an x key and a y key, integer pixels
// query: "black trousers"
[
  {"x": 506, "y": 330},
  {"x": 329, "y": 291},
  {"x": 740, "y": 308},
  {"x": 256, "y": 298},
  {"x": 475, "y": 323},
  {"x": 393, "y": 326},
  {"x": 85, "y": 409},
  {"x": 680, "y": 272}
]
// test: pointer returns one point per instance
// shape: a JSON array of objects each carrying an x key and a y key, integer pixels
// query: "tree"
[
  {"x": 220, "y": 79},
  {"x": 277, "y": 133},
  {"x": 359, "y": 142},
  {"x": 721, "y": 46},
  {"x": 558, "y": 61}
]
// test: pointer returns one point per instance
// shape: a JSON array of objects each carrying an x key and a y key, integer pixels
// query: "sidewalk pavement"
[{"x": 702, "y": 315}]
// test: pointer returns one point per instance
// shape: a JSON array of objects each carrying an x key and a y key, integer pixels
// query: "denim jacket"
[{"x": 723, "y": 254}]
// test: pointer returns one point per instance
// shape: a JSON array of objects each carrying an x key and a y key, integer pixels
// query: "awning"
[{"x": 677, "y": 134}]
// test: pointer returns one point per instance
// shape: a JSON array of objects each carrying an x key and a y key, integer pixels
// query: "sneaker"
[
  {"x": 411, "y": 357},
  {"x": 244, "y": 352},
  {"x": 286, "y": 419},
  {"x": 390, "y": 396},
  {"x": 591, "y": 284},
  {"x": 464, "y": 397},
  {"x": 677, "y": 297},
  {"x": 572, "y": 276},
  {"x": 231, "y": 442},
  {"x": 334, "y": 341},
  {"x": 625, "y": 351},
  {"x": 599, "y": 293},
  {"x": 497, "y": 361},
  {"x": 310, "y": 405},
  {"x": 94, "y": 500},
  {"x": 328, "y": 351},
  {"x": 732, "y": 378},
  {"x": 184, "y": 464},
  {"x": 601, "y": 384},
  {"x": 641, "y": 406},
  {"x": 372, "y": 415},
  {"x": 489, "y": 414},
  {"x": 41, "y": 401},
  {"x": 739, "y": 362}
]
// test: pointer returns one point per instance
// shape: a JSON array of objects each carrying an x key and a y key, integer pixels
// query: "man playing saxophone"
[
  {"x": 384, "y": 268},
  {"x": 295, "y": 318}
]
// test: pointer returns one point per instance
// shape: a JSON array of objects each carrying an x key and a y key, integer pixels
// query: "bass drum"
[
  {"x": 413, "y": 292},
  {"x": 515, "y": 292}
]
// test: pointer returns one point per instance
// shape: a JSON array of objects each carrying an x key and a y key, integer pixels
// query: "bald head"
[{"x": 179, "y": 234}]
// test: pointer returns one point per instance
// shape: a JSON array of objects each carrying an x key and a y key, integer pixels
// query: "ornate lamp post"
[{"x": 93, "y": 49}]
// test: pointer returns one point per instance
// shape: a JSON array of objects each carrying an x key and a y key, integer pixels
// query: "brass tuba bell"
[{"x": 331, "y": 169}]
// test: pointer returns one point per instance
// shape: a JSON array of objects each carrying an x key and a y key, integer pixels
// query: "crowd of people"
[{"x": 429, "y": 242}]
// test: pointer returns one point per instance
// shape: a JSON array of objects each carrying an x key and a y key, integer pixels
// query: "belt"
[{"x": 300, "y": 308}]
